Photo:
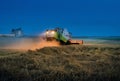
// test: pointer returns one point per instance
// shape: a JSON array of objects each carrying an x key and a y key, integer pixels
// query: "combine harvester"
[{"x": 61, "y": 35}]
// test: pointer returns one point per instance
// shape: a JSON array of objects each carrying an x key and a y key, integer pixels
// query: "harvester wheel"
[{"x": 68, "y": 43}]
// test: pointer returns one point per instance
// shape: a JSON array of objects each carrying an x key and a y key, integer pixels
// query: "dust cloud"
[
  {"x": 43, "y": 43},
  {"x": 27, "y": 43}
]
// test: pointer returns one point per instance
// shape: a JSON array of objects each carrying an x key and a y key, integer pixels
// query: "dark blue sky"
[{"x": 80, "y": 17}]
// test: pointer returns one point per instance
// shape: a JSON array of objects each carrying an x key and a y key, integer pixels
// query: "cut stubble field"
[{"x": 63, "y": 63}]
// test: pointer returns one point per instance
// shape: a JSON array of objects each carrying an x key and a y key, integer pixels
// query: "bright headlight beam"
[
  {"x": 52, "y": 32},
  {"x": 47, "y": 32}
]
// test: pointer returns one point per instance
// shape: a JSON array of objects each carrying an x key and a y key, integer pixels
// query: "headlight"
[
  {"x": 47, "y": 32},
  {"x": 52, "y": 32}
]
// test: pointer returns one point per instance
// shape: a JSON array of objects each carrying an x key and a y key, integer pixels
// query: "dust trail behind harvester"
[
  {"x": 26, "y": 43},
  {"x": 43, "y": 43}
]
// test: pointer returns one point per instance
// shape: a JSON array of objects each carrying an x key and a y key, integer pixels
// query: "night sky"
[{"x": 80, "y": 17}]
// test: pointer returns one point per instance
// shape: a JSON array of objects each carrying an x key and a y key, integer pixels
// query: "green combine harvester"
[{"x": 61, "y": 35}]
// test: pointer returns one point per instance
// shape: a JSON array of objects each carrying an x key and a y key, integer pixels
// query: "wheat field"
[{"x": 64, "y": 63}]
